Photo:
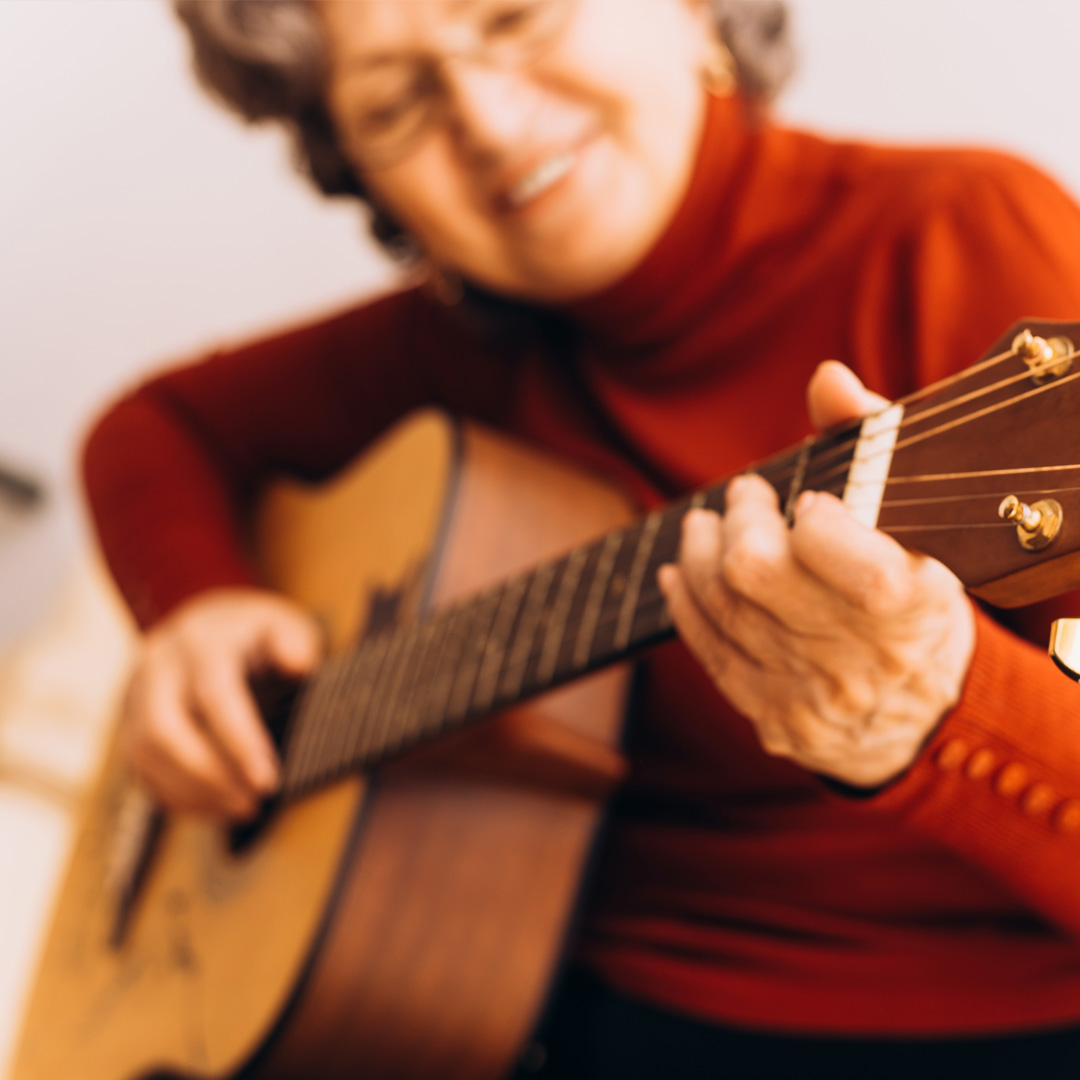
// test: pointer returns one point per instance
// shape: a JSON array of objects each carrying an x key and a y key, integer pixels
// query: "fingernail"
[{"x": 805, "y": 501}]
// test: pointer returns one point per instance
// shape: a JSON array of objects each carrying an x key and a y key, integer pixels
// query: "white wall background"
[{"x": 139, "y": 223}]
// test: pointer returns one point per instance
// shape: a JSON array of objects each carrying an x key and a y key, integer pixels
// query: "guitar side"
[{"x": 407, "y": 928}]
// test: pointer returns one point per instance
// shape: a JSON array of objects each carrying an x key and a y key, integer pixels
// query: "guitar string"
[
  {"x": 649, "y": 593},
  {"x": 609, "y": 615},
  {"x": 910, "y": 418},
  {"x": 650, "y": 597},
  {"x": 975, "y": 395},
  {"x": 951, "y": 425},
  {"x": 974, "y": 495},
  {"x": 952, "y": 380},
  {"x": 319, "y": 737}
]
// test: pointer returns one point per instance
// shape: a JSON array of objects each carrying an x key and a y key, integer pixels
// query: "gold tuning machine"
[
  {"x": 1046, "y": 358},
  {"x": 1065, "y": 646},
  {"x": 1036, "y": 525}
]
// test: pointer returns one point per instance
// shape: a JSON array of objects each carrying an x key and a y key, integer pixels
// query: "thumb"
[{"x": 835, "y": 394}]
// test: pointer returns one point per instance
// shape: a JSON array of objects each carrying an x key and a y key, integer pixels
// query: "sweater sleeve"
[
  {"x": 1000, "y": 781},
  {"x": 170, "y": 468}
]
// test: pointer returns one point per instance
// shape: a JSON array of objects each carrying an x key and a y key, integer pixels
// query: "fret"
[
  {"x": 498, "y": 640},
  {"x": 646, "y": 544},
  {"x": 831, "y": 455},
  {"x": 795, "y": 487},
  {"x": 365, "y": 678},
  {"x": 446, "y": 668},
  {"x": 368, "y": 725},
  {"x": 591, "y": 615},
  {"x": 411, "y": 714},
  {"x": 560, "y": 610},
  {"x": 484, "y": 611},
  {"x": 340, "y": 711},
  {"x": 428, "y": 719},
  {"x": 307, "y": 706},
  {"x": 514, "y": 675},
  {"x": 389, "y": 724},
  {"x": 313, "y": 710},
  {"x": 321, "y": 726}
]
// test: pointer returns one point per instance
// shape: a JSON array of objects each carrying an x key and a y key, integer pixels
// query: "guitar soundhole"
[
  {"x": 244, "y": 836},
  {"x": 275, "y": 695}
]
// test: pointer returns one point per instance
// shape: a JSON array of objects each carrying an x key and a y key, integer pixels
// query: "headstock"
[{"x": 1008, "y": 426}]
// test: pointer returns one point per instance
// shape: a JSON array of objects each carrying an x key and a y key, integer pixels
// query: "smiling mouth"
[{"x": 545, "y": 175}]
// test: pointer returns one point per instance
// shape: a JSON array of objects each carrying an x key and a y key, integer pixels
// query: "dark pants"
[{"x": 592, "y": 1033}]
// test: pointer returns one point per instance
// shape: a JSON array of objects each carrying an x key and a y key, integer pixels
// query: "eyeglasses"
[{"x": 395, "y": 103}]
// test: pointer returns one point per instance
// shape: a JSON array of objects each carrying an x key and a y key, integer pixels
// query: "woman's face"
[{"x": 538, "y": 147}]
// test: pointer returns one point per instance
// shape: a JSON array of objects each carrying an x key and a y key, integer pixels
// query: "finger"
[
  {"x": 223, "y": 702},
  {"x": 189, "y": 795},
  {"x": 758, "y": 562},
  {"x": 179, "y": 762},
  {"x": 867, "y": 568},
  {"x": 735, "y": 675},
  {"x": 835, "y": 395},
  {"x": 751, "y": 628}
]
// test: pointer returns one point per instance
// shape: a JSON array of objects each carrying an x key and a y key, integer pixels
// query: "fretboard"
[{"x": 596, "y": 605}]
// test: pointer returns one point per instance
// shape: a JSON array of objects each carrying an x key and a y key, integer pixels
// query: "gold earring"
[{"x": 719, "y": 71}]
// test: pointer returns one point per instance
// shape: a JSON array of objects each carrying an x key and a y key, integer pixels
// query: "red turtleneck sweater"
[{"x": 734, "y": 886}]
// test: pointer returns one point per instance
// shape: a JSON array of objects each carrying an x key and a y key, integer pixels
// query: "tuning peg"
[
  {"x": 1036, "y": 525},
  {"x": 1065, "y": 646},
  {"x": 1047, "y": 358}
]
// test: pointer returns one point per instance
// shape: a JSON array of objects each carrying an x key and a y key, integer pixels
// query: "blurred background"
[{"x": 139, "y": 224}]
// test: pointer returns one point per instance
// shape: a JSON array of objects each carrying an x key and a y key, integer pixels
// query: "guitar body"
[{"x": 403, "y": 925}]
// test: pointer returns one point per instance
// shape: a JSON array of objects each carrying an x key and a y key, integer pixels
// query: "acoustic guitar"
[{"x": 400, "y": 910}]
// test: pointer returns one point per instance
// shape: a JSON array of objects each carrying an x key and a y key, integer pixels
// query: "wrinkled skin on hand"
[
  {"x": 843, "y": 650},
  {"x": 191, "y": 730}
]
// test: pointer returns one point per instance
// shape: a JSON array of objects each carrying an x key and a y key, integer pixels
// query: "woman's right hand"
[{"x": 191, "y": 728}]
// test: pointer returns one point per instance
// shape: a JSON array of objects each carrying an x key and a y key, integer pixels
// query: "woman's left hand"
[{"x": 843, "y": 649}]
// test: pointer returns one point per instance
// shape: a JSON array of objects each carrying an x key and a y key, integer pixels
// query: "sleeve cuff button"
[
  {"x": 981, "y": 764},
  {"x": 1067, "y": 817},
  {"x": 1038, "y": 799},
  {"x": 1011, "y": 780},
  {"x": 951, "y": 755}
]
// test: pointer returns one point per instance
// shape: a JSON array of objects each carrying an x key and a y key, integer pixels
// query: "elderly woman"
[{"x": 828, "y": 857}]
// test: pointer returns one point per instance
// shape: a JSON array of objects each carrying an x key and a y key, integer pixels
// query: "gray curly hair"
[{"x": 266, "y": 61}]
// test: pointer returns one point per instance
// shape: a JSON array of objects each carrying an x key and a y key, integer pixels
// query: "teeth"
[{"x": 541, "y": 178}]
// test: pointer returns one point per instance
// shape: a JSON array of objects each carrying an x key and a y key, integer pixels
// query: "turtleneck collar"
[{"x": 654, "y": 301}]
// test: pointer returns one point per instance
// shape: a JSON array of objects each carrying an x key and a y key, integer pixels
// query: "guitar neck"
[
  {"x": 930, "y": 471},
  {"x": 594, "y": 606}
]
